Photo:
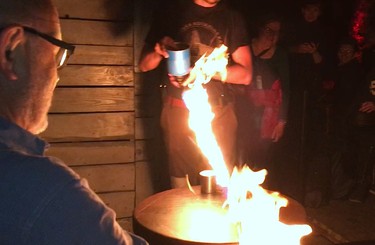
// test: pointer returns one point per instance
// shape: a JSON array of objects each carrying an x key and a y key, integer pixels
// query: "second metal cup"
[{"x": 207, "y": 181}]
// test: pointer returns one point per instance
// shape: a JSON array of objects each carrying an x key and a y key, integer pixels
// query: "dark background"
[{"x": 338, "y": 14}]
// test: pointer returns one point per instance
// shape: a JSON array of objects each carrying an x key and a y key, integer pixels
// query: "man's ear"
[{"x": 10, "y": 39}]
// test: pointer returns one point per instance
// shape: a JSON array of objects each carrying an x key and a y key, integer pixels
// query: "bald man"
[{"x": 42, "y": 200}]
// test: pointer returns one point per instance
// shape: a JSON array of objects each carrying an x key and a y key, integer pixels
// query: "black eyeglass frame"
[
  {"x": 50, "y": 39},
  {"x": 54, "y": 41}
]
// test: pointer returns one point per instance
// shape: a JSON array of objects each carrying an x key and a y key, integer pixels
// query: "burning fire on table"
[{"x": 254, "y": 210}]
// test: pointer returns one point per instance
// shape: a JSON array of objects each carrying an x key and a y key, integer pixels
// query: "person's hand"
[
  {"x": 190, "y": 79},
  {"x": 302, "y": 48},
  {"x": 307, "y": 48},
  {"x": 312, "y": 47},
  {"x": 160, "y": 47},
  {"x": 174, "y": 82},
  {"x": 367, "y": 107},
  {"x": 278, "y": 131}
]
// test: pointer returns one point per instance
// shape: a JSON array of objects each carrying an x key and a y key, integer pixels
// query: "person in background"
[
  {"x": 311, "y": 51},
  {"x": 358, "y": 133},
  {"x": 42, "y": 200},
  {"x": 361, "y": 141},
  {"x": 204, "y": 25},
  {"x": 368, "y": 60},
  {"x": 267, "y": 96},
  {"x": 354, "y": 110},
  {"x": 349, "y": 79},
  {"x": 308, "y": 33},
  {"x": 342, "y": 92},
  {"x": 311, "y": 57}
]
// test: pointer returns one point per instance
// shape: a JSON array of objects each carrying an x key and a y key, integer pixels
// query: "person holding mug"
[{"x": 204, "y": 25}]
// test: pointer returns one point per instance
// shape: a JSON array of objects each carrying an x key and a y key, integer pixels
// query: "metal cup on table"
[{"x": 208, "y": 181}]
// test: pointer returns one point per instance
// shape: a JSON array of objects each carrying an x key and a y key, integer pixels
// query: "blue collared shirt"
[{"x": 42, "y": 201}]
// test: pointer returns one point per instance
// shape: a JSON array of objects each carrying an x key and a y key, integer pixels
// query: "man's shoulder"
[
  {"x": 48, "y": 168},
  {"x": 33, "y": 178},
  {"x": 28, "y": 183}
]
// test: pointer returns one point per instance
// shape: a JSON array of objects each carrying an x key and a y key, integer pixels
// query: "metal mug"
[
  {"x": 179, "y": 59},
  {"x": 208, "y": 181}
]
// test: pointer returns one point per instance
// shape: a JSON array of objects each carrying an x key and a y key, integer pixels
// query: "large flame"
[
  {"x": 256, "y": 211},
  {"x": 201, "y": 115},
  {"x": 252, "y": 208}
]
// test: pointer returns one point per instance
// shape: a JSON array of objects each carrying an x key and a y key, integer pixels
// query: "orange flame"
[
  {"x": 254, "y": 210},
  {"x": 201, "y": 115}
]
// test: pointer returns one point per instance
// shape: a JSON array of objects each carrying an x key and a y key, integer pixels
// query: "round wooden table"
[{"x": 181, "y": 217}]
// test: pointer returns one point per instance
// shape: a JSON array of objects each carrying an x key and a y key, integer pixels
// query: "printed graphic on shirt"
[{"x": 202, "y": 37}]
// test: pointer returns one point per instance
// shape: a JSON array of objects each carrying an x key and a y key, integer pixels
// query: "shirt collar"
[{"x": 13, "y": 137}]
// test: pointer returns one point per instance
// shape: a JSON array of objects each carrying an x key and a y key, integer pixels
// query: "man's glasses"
[{"x": 65, "y": 51}]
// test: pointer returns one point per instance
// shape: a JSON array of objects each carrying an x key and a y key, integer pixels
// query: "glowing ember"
[{"x": 253, "y": 209}]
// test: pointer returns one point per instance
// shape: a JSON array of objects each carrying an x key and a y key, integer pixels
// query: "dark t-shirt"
[
  {"x": 305, "y": 73},
  {"x": 349, "y": 82},
  {"x": 202, "y": 28}
]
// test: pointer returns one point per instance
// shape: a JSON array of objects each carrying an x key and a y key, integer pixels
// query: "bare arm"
[
  {"x": 151, "y": 57},
  {"x": 317, "y": 57},
  {"x": 149, "y": 60},
  {"x": 241, "y": 71}
]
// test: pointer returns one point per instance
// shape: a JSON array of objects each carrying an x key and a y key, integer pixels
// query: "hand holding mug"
[
  {"x": 161, "y": 46},
  {"x": 174, "y": 82}
]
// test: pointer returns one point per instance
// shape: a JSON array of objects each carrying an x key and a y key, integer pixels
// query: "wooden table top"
[{"x": 180, "y": 214}]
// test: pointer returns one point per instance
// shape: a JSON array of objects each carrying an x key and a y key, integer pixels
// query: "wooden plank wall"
[{"x": 92, "y": 119}]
